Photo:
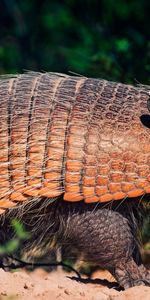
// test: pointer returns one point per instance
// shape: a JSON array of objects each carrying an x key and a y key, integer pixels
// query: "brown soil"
[{"x": 40, "y": 285}]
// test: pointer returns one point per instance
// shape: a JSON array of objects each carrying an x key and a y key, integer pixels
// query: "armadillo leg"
[
  {"x": 106, "y": 239},
  {"x": 129, "y": 274}
]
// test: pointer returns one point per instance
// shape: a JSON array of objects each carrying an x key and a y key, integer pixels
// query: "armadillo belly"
[{"x": 72, "y": 136}]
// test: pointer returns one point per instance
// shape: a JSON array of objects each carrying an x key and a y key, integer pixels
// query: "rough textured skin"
[
  {"x": 83, "y": 138},
  {"x": 75, "y": 139},
  {"x": 105, "y": 235}
]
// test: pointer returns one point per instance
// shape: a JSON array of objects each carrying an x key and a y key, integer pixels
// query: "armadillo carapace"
[{"x": 86, "y": 139}]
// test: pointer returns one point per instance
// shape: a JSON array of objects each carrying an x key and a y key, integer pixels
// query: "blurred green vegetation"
[
  {"x": 109, "y": 39},
  {"x": 20, "y": 235}
]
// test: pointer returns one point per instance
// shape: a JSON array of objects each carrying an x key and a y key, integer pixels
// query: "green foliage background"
[{"x": 97, "y": 38}]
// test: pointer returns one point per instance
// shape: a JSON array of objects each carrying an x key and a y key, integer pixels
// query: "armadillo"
[{"x": 74, "y": 164}]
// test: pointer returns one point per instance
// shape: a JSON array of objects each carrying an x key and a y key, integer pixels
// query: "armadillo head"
[
  {"x": 116, "y": 148},
  {"x": 125, "y": 145}
]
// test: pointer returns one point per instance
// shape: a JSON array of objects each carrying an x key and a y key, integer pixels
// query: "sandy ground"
[{"x": 40, "y": 285}]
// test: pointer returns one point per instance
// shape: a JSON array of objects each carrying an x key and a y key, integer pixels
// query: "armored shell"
[{"x": 86, "y": 139}]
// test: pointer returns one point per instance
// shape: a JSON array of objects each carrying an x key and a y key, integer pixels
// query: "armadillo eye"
[{"x": 145, "y": 119}]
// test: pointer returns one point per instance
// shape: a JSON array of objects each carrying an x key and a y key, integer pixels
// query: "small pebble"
[
  {"x": 26, "y": 286},
  {"x": 67, "y": 292},
  {"x": 60, "y": 286},
  {"x": 59, "y": 295},
  {"x": 82, "y": 294},
  {"x": 4, "y": 293}
]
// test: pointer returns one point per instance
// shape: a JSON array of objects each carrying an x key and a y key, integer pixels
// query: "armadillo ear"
[
  {"x": 148, "y": 104},
  {"x": 145, "y": 119}
]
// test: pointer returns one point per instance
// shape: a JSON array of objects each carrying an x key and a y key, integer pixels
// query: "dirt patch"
[{"x": 22, "y": 285}]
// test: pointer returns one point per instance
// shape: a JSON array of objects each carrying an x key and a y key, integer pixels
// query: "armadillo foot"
[
  {"x": 7, "y": 263},
  {"x": 129, "y": 274}
]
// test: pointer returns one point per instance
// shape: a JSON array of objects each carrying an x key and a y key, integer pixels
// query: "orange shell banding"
[
  {"x": 114, "y": 187},
  {"x": 72, "y": 177},
  {"x": 4, "y": 183},
  {"x": 147, "y": 190},
  {"x": 73, "y": 165},
  {"x": 72, "y": 197},
  {"x": 89, "y": 181},
  {"x": 127, "y": 186},
  {"x": 73, "y": 137},
  {"x": 91, "y": 199},
  {"x": 30, "y": 191},
  {"x": 46, "y": 192},
  {"x": 5, "y": 203},
  {"x": 17, "y": 196},
  {"x": 106, "y": 198},
  {"x": 135, "y": 193},
  {"x": 119, "y": 196},
  {"x": 72, "y": 188}
]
